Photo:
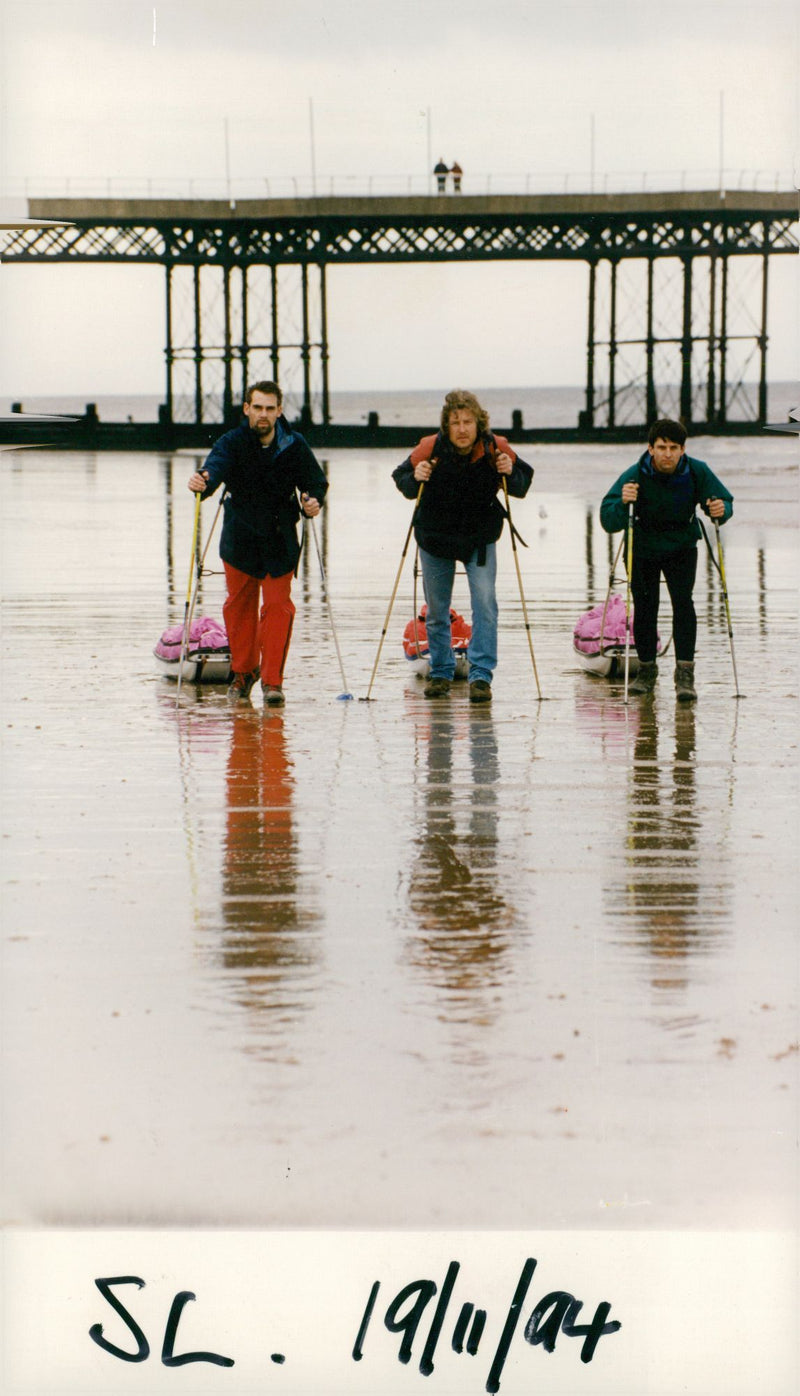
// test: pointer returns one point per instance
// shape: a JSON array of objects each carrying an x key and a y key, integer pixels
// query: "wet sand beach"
[{"x": 394, "y": 964}]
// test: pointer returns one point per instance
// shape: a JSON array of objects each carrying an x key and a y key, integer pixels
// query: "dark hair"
[
  {"x": 461, "y": 400},
  {"x": 668, "y": 430},
  {"x": 265, "y": 386}
]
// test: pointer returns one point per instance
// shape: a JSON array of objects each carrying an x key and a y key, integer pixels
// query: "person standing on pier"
[
  {"x": 454, "y": 476},
  {"x": 263, "y": 465},
  {"x": 665, "y": 486},
  {"x": 441, "y": 171}
]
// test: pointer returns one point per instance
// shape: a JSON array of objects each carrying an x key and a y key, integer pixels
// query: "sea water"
[
  {"x": 540, "y": 406},
  {"x": 394, "y": 963}
]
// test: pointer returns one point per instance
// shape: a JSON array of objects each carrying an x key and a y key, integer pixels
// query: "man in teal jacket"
[{"x": 665, "y": 486}]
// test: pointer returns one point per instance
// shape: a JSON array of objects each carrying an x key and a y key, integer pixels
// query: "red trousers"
[{"x": 259, "y": 614}]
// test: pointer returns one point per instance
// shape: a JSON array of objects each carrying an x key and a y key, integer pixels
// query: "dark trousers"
[{"x": 679, "y": 571}]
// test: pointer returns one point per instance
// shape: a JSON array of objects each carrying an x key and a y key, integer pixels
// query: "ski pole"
[
  {"x": 727, "y": 605},
  {"x": 611, "y": 580},
  {"x": 416, "y": 615},
  {"x": 394, "y": 593},
  {"x": 199, "y": 571},
  {"x": 628, "y": 571},
  {"x": 346, "y": 694},
  {"x": 186, "y": 609},
  {"x": 521, "y": 591}
]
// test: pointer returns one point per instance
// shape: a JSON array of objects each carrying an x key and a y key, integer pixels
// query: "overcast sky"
[{"x": 128, "y": 90}]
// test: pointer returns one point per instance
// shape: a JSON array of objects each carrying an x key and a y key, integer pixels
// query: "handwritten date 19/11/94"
[{"x": 556, "y": 1313}]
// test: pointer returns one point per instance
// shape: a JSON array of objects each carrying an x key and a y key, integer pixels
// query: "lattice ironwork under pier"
[{"x": 676, "y": 287}]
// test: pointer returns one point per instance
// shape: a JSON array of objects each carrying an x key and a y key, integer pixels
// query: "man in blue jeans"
[{"x": 455, "y": 475}]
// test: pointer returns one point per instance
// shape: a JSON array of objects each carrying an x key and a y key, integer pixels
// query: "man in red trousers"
[{"x": 264, "y": 464}]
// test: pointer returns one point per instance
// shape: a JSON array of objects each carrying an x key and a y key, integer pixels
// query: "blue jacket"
[
  {"x": 259, "y": 534},
  {"x": 664, "y": 513}
]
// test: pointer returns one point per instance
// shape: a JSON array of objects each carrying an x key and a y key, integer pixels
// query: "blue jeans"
[{"x": 438, "y": 574}]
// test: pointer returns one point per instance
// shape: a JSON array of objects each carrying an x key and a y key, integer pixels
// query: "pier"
[{"x": 667, "y": 330}]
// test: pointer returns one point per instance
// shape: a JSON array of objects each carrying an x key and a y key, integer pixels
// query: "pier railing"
[{"x": 493, "y": 182}]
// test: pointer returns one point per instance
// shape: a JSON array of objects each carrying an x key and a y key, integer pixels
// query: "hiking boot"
[
  {"x": 241, "y": 685},
  {"x": 273, "y": 695},
  {"x": 437, "y": 688},
  {"x": 684, "y": 681},
  {"x": 480, "y": 691},
  {"x": 645, "y": 680}
]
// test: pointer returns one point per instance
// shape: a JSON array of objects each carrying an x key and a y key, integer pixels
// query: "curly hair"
[{"x": 460, "y": 400}]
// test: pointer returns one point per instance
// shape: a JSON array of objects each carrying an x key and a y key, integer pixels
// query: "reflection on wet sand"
[
  {"x": 453, "y": 886},
  {"x": 377, "y": 962},
  {"x": 674, "y": 905},
  {"x": 266, "y": 946}
]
